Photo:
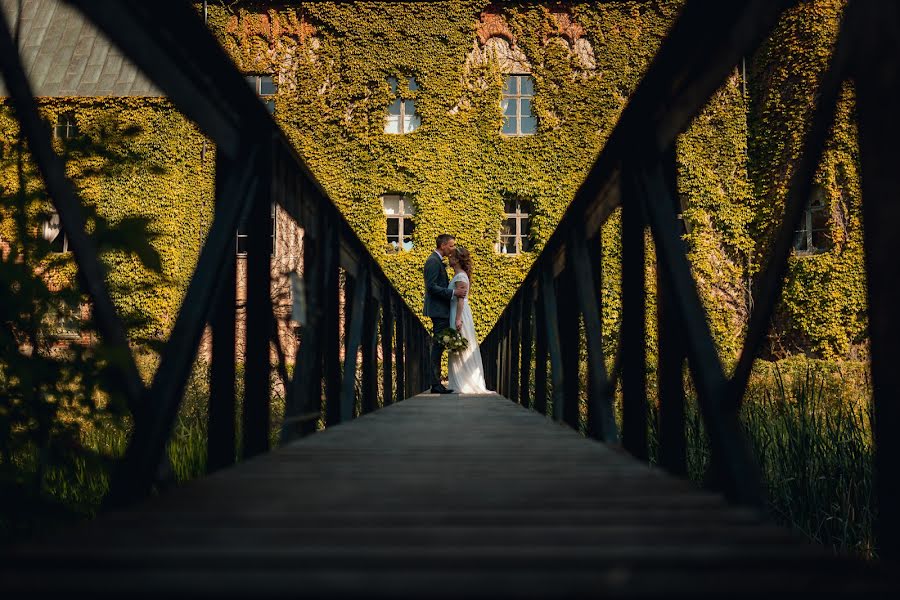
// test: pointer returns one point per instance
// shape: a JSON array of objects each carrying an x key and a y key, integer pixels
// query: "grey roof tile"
[{"x": 64, "y": 54}]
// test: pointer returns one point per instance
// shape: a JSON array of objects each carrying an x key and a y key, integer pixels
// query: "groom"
[{"x": 437, "y": 302}]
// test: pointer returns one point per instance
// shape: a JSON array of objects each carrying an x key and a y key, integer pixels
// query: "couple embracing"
[{"x": 447, "y": 305}]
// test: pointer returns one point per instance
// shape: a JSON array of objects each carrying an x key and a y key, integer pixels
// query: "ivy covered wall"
[
  {"x": 332, "y": 61},
  {"x": 824, "y": 302},
  {"x": 131, "y": 157}
]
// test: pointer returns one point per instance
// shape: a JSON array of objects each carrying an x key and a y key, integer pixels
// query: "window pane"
[
  {"x": 391, "y": 204},
  {"x": 525, "y": 207},
  {"x": 529, "y": 125},
  {"x": 509, "y": 125},
  {"x": 392, "y": 124},
  {"x": 267, "y": 85},
  {"x": 414, "y": 123},
  {"x": 819, "y": 218},
  {"x": 511, "y": 225},
  {"x": 821, "y": 239},
  {"x": 509, "y": 84},
  {"x": 394, "y": 108},
  {"x": 253, "y": 81},
  {"x": 525, "y": 107},
  {"x": 509, "y": 107},
  {"x": 408, "y": 227},
  {"x": 413, "y": 84},
  {"x": 525, "y": 242},
  {"x": 410, "y": 120},
  {"x": 393, "y": 228},
  {"x": 409, "y": 207},
  {"x": 392, "y": 81},
  {"x": 526, "y": 85},
  {"x": 508, "y": 245},
  {"x": 509, "y": 205}
]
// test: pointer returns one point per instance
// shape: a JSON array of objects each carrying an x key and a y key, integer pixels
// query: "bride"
[{"x": 466, "y": 370}]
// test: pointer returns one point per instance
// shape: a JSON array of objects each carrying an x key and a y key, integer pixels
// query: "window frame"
[
  {"x": 238, "y": 236},
  {"x": 66, "y": 121},
  {"x": 255, "y": 81},
  {"x": 412, "y": 87},
  {"x": 517, "y": 97},
  {"x": 803, "y": 236},
  {"x": 403, "y": 215},
  {"x": 520, "y": 215}
]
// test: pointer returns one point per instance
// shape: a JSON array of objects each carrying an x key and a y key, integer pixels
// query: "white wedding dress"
[{"x": 466, "y": 369}]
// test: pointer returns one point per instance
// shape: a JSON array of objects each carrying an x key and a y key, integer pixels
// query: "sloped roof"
[{"x": 65, "y": 55}]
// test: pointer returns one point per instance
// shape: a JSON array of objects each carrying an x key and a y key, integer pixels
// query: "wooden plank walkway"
[{"x": 437, "y": 496}]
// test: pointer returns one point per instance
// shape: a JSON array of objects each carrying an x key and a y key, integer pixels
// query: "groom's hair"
[{"x": 443, "y": 239}]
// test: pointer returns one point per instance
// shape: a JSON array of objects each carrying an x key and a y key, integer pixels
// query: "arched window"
[
  {"x": 399, "y": 210},
  {"x": 515, "y": 234},
  {"x": 518, "y": 115},
  {"x": 402, "y": 117}
]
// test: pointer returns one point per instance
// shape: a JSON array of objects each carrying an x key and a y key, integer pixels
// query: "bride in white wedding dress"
[{"x": 466, "y": 369}]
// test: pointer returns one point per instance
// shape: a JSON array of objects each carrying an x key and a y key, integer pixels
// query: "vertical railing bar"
[
  {"x": 259, "y": 315},
  {"x": 551, "y": 326},
  {"x": 354, "y": 307},
  {"x": 540, "y": 351},
  {"x": 387, "y": 341},
  {"x": 567, "y": 317},
  {"x": 515, "y": 371},
  {"x": 221, "y": 420},
  {"x": 527, "y": 350},
  {"x": 670, "y": 373},
  {"x": 634, "y": 358},
  {"x": 601, "y": 422},
  {"x": 331, "y": 337},
  {"x": 401, "y": 352},
  {"x": 369, "y": 400}
]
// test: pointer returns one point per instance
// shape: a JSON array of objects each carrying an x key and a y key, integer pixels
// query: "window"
[
  {"x": 66, "y": 128},
  {"x": 814, "y": 232},
  {"x": 518, "y": 92},
  {"x": 399, "y": 210},
  {"x": 266, "y": 88},
  {"x": 515, "y": 235},
  {"x": 242, "y": 234},
  {"x": 53, "y": 233},
  {"x": 402, "y": 117},
  {"x": 63, "y": 321}
]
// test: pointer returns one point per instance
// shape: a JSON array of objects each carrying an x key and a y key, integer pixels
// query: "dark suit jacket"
[{"x": 437, "y": 294}]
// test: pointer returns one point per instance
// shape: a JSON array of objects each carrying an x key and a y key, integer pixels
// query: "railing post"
[
  {"x": 877, "y": 78},
  {"x": 387, "y": 344},
  {"x": 400, "y": 346},
  {"x": 527, "y": 340},
  {"x": 585, "y": 258},
  {"x": 540, "y": 351},
  {"x": 570, "y": 339},
  {"x": 357, "y": 292},
  {"x": 369, "y": 400},
  {"x": 331, "y": 327},
  {"x": 672, "y": 353},
  {"x": 554, "y": 345},
  {"x": 222, "y": 441},
  {"x": 515, "y": 370},
  {"x": 259, "y": 315},
  {"x": 634, "y": 359}
]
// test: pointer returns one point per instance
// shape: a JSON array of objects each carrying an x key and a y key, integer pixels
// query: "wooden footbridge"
[{"x": 467, "y": 495}]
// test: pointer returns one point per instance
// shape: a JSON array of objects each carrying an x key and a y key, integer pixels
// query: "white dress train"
[{"x": 466, "y": 369}]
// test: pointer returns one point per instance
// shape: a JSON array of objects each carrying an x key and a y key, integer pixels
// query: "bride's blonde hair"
[{"x": 465, "y": 260}]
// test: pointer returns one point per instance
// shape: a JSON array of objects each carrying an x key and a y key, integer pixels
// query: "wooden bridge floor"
[{"x": 436, "y": 496}]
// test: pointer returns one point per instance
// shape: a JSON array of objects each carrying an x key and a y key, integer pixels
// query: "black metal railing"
[
  {"x": 255, "y": 166},
  {"x": 637, "y": 172}
]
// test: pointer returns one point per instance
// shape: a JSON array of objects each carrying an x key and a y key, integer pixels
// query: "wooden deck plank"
[{"x": 436, "y": 496}]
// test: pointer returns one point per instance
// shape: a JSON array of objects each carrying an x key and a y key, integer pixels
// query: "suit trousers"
[{"x": 437, "y": 349}]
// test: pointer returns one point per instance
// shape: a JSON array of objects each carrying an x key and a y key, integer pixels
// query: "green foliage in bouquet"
[{"x": 452, "y": 340}]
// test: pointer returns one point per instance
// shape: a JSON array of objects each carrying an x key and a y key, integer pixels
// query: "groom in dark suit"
[{"x": 437, "y": 302}]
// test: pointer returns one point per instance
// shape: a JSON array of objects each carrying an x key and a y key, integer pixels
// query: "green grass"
[{"x": 808, "y": 424}]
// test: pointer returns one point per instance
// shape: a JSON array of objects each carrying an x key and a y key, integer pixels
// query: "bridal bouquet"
[{"x": 452, "y": 340}]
